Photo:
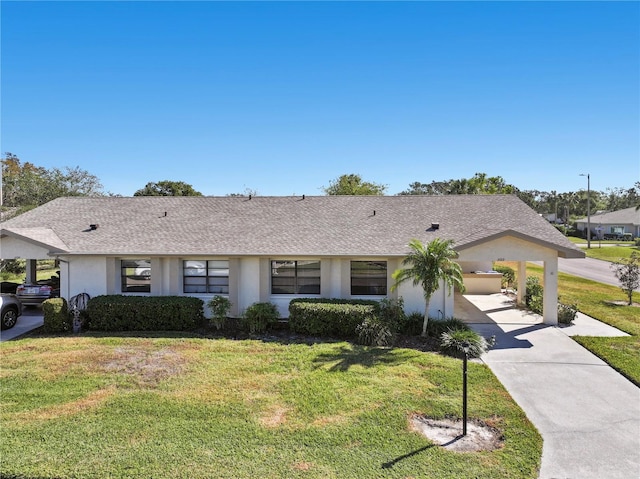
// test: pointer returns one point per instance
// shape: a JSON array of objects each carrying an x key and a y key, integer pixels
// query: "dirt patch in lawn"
[
  {"x": 447, "y": 433},
  {"x": 274, "y": 417},
  {"x": 91, "y": 401},
  {"x": 624, "y": 303},
  {"x": 147, "y": 368}
]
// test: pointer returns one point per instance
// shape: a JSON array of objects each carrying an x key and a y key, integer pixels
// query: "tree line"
[{"x": 25, "y": 186}]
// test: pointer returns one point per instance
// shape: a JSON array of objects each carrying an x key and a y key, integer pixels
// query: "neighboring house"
[
  {"x": 614, "y": 224},
  {"x": 279, "y": 248}
]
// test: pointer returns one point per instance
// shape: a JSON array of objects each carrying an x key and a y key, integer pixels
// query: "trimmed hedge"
[
  {"x": 144, "y": 313},
  {"x": 56, "y": 316},
  {"x": 330, "y": 317}
]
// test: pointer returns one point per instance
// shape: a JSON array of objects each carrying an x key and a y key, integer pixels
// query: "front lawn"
[
  {"x": 610, "y": 253},
  {"x": 182, "y": 407}
]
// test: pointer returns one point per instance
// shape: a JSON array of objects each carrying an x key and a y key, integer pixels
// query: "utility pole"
[{"x": 588, "y": 209}]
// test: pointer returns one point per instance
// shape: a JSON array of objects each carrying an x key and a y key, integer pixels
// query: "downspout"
[{"x": 68, "y": 275}]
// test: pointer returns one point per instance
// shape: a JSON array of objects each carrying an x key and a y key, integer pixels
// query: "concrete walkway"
[
  {"x": 587, "y": 413},
  {"x": 31, "y": 319}
]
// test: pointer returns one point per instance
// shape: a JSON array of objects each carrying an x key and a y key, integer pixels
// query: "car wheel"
[{"x": 9, "y": 318}]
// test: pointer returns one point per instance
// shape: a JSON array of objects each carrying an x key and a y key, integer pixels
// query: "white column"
[
  {"x": 550, "y": 298},
  {"x": 522, "y": 282},
  {"x": 31, "y": 272}
]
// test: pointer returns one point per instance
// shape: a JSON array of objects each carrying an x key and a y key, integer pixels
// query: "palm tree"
[{"x": 427, "y": 265}]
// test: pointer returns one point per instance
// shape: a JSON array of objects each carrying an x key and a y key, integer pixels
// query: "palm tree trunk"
[{"x": 426, "y": 319}]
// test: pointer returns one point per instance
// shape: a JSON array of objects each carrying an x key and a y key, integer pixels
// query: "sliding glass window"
[
  {"x": 368, "y": 278},
  {"x": 295, "y": 277},
  {"x": 206, "y": 276}
]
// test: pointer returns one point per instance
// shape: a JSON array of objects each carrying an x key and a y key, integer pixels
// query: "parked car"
[
  {"x": 35, "y": 294},
  {"x": 8, "y": 287},
  {"x": 10, "y": 310}
]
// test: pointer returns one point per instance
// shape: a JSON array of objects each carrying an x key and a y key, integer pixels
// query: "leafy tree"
[
  {"x": 480, "y": 183},
  {"x": 627, "y": 270},
  {"x": 167, "y": 188},
  {"x": 353, "y": 185},
  {"x": 26, "y": 185},
  {"x": 427, "y": 265}
]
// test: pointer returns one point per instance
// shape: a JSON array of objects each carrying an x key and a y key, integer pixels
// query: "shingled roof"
[
  {"x": 627, "y": 216},
  {"x": 310, "y": 226}
]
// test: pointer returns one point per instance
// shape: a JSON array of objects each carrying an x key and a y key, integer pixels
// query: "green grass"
[
  {"x": 124, "y": 407},
  {"x": 598, "y": 300},
  {"x": 610, "y": 253},
  {"x": 41, "y": 274}
]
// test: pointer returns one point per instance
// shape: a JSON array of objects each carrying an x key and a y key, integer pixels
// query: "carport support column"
[
  {"x": 31, "y": 271},
  {"x": 522, "y": 282},
  {"x": 550, "y": 297}
]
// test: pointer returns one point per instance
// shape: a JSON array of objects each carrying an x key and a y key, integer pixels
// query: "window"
[
  {"x": 136, "y": 275},
  {"x": 295, "y": 277},
  {"x": 368, "y": 278},
  {"x": 202, "y": 276}
]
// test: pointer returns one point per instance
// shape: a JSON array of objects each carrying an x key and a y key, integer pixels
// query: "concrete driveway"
[
  {"x": 587, "y": 413},
  {"x": 31, "y": 319}
]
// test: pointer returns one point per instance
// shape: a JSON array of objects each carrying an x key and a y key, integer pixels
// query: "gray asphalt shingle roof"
[
  {"x": 315, "y": 226},
  {"x": 627, "y": 216}
]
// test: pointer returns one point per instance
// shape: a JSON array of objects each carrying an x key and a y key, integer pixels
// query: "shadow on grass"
[
  {"x": 393, "y": 462},
  {"x": 356, "y": 355}
]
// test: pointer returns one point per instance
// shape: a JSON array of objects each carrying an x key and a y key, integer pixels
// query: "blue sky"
[{"x": 283, "y": 97}]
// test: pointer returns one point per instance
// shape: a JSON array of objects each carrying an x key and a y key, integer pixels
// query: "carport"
[{"x": 514, "y": 246}]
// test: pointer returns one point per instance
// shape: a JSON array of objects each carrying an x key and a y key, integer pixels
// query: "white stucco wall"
[
  {"x": 12, "y": 248},
  {"x": 83, "y": 274},
  {"x": 507, "y": 248},
  {"x": 248, "y": 283}
]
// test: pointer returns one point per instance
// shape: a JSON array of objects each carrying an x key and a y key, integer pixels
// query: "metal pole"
[
  {"x": 588, "y": 211},
  {"x": 464, "y": 394},
  {"x": 588, "y": 175}
]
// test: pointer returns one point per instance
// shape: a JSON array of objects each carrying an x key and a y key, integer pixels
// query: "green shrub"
[
  {"x": 391, "y": 312},
  {"x": 56, "y": 316},
  {"x": 220, "y": 307},
  {"x": 567, "y": 313},
  {"x": 412, "y": 325},
  {"x": 435, "y": 327},
  {"x": 330, "y": 317},
  {"x": 453, "y": 341},
  {"x": 637, "y": 243},
  {"x": 374, "y": 331},
  {"x": 259, "y": 316},
  {"x": 13, "y": 266},
  {"x": 381, "y": 329},
  {"x": 144, "y": 313},
  {"x": 508, "y": 276},
  {"x": 534, "y": 295}
]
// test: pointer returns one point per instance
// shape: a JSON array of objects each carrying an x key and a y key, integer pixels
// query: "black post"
[{"x": 464, "y": 394}]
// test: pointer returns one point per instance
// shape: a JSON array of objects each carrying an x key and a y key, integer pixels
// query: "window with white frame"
[
  {"x": 206, "y": 276},
  {"x": 136, "y": 275},
  {"x": 368, "y": 278},
  {"x": 295, "y": 277}
]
